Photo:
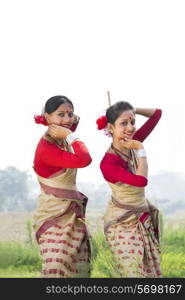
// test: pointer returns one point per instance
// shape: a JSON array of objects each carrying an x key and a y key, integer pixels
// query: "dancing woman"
[
  {"x": 131, "y": 221},
  {"x": 59, "y": 218}
]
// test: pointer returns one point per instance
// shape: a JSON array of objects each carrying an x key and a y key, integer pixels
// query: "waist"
[
  {"x": 129, "y": 199},
  {"x": 128, "y": 193},
  {"x": 137, "y": 206},
  {"x": 65, "y": 193}
]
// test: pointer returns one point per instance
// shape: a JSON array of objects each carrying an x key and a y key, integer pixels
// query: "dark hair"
[
  {"x": 54, "y": 102},
  {"x": 115, "y": 110}
]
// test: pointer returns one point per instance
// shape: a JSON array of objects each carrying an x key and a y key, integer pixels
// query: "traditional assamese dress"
[
  {"x": 131, "y": 222},
  {"x": 59, "y": 220}
]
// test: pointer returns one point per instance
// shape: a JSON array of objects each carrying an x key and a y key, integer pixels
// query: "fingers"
[
  {"x": 58, "y": 132},
  {"x": 52, "y": 130},
  {"x": 130, "y": 144},
  {"x": 125, "y": 144},
  {"x": 52, "y": 133},
  {"x": 53, "y": 126}
]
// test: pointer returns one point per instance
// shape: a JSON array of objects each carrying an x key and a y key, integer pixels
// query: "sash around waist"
[
  {"x": 62, "y": 193},
  {"x": 49, "y": 207},
  {"x": 141, "y": 207},
  {"x": 119, "y": 212}
]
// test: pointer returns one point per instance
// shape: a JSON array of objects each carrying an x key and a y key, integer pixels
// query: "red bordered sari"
[
  {"x": 60, "y": 228},
  {"x": 132, "y": 229}
]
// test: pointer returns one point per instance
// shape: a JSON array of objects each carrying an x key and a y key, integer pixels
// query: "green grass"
[
  {"x": 102, "y": 260},
  {"x": 21, "y": 260},
  {"x": 173, "y": 264},
  {"x": 19, "y": 272},
  {"x": 172, "y": 256},
  {"x": 173, "y": 252}
]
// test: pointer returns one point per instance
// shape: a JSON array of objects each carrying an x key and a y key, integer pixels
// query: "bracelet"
[
  {"x": 141, "y": 153},
  {"x": 71, "y": 138}
]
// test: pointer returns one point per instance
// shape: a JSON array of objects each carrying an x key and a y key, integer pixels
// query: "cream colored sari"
[
  {"x": 59, "y": 223},
  {"x": 132, "y": 230}
]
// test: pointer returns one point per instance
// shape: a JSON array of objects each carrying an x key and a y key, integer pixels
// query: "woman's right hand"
[
  {"x": 58, "y": 132},
  {"x": 131, "y": 144}
]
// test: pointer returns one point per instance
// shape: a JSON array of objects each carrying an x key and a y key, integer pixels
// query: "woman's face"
[
  {"x": 124, "y": 126},
  {"x": 63, "y": 116}
]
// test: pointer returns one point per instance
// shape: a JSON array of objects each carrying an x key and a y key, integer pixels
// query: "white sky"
[{"x": 81, "y": 49}]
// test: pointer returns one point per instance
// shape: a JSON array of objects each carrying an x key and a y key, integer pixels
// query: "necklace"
[
  {"x": 132, "y": 161},
  {"x": 119, "y": 152}
]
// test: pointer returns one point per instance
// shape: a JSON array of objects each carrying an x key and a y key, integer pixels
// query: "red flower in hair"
[
  {"x": 40, "y": 120},
  {"x": 101, "y": 122}
]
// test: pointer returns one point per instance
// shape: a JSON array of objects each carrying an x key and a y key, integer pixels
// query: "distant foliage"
[
  {"x": 19, "y": 192},
  {"x": 16, "y": 190}
]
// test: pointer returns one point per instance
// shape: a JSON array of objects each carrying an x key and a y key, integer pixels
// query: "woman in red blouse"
[
  {"x": 59, "y": 218},
  {"x": 131, "y": 221}
]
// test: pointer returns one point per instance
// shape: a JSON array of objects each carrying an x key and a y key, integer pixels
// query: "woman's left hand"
[{"x": 58, "y": 132}]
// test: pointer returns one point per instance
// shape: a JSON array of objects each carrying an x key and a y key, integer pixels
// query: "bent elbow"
[
  {"x": 140, "y": 181},
  {"x": 143, "y": 182},
  {"x": 86, "y": 162},
  {"x": 160, "y": 112}
]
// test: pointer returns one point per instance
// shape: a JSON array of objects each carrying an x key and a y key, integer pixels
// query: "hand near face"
[
  {"x": 58, "y": 132},
  {"x": 131, "y": 144}
]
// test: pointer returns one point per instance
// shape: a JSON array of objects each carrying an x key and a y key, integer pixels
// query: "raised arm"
[
  {"x": 146, "y": 112},
  {"x": 154, "y": 116}
]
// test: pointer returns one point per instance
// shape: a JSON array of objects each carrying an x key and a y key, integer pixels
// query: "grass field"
[{"x": 20, "y": 258}]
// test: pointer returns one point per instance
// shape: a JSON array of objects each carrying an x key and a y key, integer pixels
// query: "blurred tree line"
[
  {"x": 19, "y": 192},
  {"x": 16, "y": 190}
]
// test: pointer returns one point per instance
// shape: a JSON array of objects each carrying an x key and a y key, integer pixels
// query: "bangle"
[
  {"x": 141, "y": 153},
  {"x": 71, "y": 138}
]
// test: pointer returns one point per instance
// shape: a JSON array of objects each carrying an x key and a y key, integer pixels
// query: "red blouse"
[
  {"x": 115, "y": 169},
  {"x": 49, "y": 159}
]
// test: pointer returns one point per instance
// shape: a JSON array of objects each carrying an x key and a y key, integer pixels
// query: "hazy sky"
[{"x": 82, "y": 48}]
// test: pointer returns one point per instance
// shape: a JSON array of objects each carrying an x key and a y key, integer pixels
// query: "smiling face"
[
  {"x": 124, "y": 126},
  {"x": 63, "y": 116}
]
